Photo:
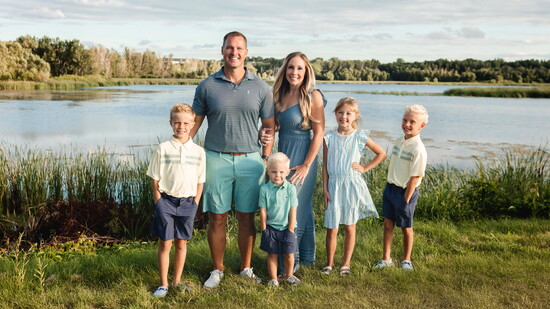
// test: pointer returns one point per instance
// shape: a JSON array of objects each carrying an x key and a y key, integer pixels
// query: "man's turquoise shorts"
[{"x": 232, "y": 178}]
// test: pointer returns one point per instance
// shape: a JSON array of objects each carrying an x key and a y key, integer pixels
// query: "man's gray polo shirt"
[{"x": 233, "y": 111}]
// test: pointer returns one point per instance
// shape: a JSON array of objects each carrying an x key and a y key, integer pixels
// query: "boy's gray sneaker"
[
  {"x": 383, "y": 264},
  {"x": 273, "y": 282},
  {"x": 248, "y": 273},
  {"x": 214, "y": 280},
  {"x": 292, "y": 280},
  {"x": 406, "y": 265},
  {"x": 160, "y": 292}
]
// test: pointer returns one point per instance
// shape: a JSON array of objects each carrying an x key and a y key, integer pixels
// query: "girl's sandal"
[
  {"x": 326, "y": 270},
  {"x": 345, "y": 271}
]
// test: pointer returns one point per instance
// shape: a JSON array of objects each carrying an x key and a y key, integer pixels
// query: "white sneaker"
[
  {"x": 293, "y": 280},
  {"x": 160, "y": 292},
  {"x": 406, "y": 265},
  {"x": 383, "y": 264},
  {"x": 273, "y": 282},
  {"x": 214, "y": 280},
  {"x": 248, "y": 273}
]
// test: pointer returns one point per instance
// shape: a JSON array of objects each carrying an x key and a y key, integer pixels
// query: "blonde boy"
[
  {"x": 177, "y": 168},
  {"x": 407, "y": 167},
  {"x": 278, "y": 202}
]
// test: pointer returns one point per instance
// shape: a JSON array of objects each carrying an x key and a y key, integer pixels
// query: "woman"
[{"x": 300, "y": 119}]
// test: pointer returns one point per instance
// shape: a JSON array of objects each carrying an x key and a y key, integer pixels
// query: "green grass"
[
  {"x": 473, "y": 264},
  {"x": 498, "y": 92}
]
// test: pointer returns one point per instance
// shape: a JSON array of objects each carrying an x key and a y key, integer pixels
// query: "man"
[{"x": 233, "y": 100}]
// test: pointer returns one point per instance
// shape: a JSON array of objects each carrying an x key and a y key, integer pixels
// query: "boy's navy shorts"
[
  {"x": 174, "y": 217},
  {"x": 395, "y": 208},
  {"x": 278, "y": 242}
]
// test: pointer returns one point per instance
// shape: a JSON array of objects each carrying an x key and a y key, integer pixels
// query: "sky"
[{"x": 414, "y": 30}]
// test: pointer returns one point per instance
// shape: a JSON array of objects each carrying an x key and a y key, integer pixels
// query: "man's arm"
[{"x": 197, "y": 126}]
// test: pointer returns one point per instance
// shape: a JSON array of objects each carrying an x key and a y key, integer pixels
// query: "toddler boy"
[
  {"x": 407, "y": 166},
  {"x": 177, "y": 168},
  {"x": 278, "y": 202}
]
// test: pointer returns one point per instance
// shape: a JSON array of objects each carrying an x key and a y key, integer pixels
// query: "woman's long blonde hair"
[{"x": 282, "y": 87}]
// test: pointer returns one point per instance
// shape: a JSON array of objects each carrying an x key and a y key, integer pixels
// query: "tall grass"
[
  {"x": 500, "y": 92},
  {"x": 71, "y": 190},
  {"x": 49, "y": 193}
]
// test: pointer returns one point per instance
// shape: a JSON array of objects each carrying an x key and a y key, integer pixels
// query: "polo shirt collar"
[
  {"x": 411, "y": 140},
  {"x": 221, "y": 75},
  {"x": 177, "y": 144},
  {"x": 284, "y": 185}
]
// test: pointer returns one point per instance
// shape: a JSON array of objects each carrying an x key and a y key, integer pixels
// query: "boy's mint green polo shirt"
[{"x": 278, "y": 201}]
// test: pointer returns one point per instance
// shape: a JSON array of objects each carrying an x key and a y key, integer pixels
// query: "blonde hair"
[
  {"x": 278, "y": 157},
  {"x": 181, "y": 108},
  {"x": 352, "y": 103},
  {"x": 418, "y": 110},
  {"x": 281, "y": 87}
]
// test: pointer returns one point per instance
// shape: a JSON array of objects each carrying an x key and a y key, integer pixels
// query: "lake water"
[{"x": 133, "y": 117}]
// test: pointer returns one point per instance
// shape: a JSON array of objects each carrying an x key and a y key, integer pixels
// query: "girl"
[{"x": 347, "y": 198}]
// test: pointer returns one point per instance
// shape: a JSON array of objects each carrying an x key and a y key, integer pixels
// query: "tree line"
[{"x": 38, "y": 59}]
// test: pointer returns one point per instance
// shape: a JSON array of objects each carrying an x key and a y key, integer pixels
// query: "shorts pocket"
[{"x": 189, "y": 209}]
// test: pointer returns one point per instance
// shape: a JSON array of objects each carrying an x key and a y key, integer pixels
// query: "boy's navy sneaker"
[
  {"x": 160, "y": 292},
  {"x": 406, "y": 265}
]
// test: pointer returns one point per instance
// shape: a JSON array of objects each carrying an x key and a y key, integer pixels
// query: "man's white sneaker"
[
  {"x": 214, "y": 280},
  {"x": 248, "y": 273}
]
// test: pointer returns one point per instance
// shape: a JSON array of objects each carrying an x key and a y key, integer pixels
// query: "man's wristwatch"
[{"x": 265, "y": 157}]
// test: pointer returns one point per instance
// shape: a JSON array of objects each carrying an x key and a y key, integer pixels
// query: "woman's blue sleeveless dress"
[{"x": 294, "y": 141}]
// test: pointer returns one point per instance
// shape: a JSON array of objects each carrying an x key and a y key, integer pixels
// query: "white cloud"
[
  {"x": 471, "y": 33},
  {"x": 45, "y": 13}
]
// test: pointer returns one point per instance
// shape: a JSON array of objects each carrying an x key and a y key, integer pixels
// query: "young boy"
[
  {"x": 278, "y": 202},
  {"x": 407, "y": 167},
  {"x": 177, "y": 168}
]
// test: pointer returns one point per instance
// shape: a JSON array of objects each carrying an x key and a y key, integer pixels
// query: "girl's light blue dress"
[
  {"x": 294, "y": 141},
  {"x": 350, "y": 197}
]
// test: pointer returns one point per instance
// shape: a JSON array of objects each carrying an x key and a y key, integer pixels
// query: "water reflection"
[{"x": 134, "y": 117}]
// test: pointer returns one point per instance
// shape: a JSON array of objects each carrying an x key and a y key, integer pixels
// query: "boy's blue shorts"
[
  {"x": 395, "y": 208},
  {"x": 174, "y": 217},
  {"x": 278, "y": 242}
]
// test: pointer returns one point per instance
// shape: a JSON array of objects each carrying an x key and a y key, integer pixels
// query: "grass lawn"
[{"x": 497, "y": 264}]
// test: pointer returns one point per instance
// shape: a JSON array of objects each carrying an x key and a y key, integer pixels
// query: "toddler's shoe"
[
  {"x": 293, "y": 280},
  {"x": 214, "y": 280},
  {"x": 248, "y": 273},
  {"x": 160, "y": 292},
  {"x": 383, "y": 264},
  {"x": 406, "y": 265}
]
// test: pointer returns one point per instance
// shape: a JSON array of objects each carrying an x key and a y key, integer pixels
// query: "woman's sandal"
[
  {"x": 326, "y": 270},
  {"x": 345, "y": 271}
]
